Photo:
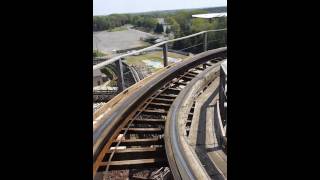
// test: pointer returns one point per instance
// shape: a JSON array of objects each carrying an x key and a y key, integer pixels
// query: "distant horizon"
[
  {"x": 107, "y": 7},
  {"x": 158, "y": 10}
]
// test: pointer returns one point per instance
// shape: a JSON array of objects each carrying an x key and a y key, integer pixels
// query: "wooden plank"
[
  {"x": 142, "y": 149},
  {"x": 186, "y": 77},
  {"x": 168, "y": 95},
  {"x": 192, "y": 73},
  {"x": 199, "y": 68},
  {"x": 139, "y": 142},
  {"x": 208, "y": 64},
  {"x": 182, "y": 83},
  {"x": 132, "y": 162},
  {"x": 143, "y": 130},
  {"x": 149, "y": 121},
  {"x": 174, "y": 89},
  {"x": 190, "y": 76},
  {"x": 160, "y": 104},
  {"x": 163, "y": 99},
  {"x": 154, "y": 111}
]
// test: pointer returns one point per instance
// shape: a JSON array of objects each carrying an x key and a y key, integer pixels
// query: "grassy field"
[
  {"x": 97, "y": 53},
  {"x": 155, "y": 56}
]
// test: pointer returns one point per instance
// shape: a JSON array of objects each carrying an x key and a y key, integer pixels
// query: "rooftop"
[{"x": 210, "y": 15}]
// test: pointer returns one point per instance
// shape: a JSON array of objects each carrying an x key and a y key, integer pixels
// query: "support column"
[
  {"x": 205, "y": 43},
  {"x": 165, "y": 55},
  {"x": 205, "y": 46},
  {"x": 221, "y": 94},
  {"x": 120, "y": 75}
]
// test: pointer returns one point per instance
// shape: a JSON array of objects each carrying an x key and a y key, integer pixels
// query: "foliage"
[
  {"x": 159, "y": 28},
  {"x": 108, "y": 72},
  {"x": 150, "y": 39},
  {"x": 180, "y": 24},
  {"x": 101, "y": 23},
  {"x": 122, "y": 28},
  {"x": 168, "y": 31},
  {"x": 174, "y": 26},
  {"x": 97, "y": 53}
]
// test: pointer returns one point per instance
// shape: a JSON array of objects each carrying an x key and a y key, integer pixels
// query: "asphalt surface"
[{"x": 107, "y": 41}]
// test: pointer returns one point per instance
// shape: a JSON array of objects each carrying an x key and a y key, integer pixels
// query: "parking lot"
[{"x": 107, "y": 41}]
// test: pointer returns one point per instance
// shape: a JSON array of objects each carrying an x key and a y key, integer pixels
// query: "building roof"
[{"x": 210, "y": 15}]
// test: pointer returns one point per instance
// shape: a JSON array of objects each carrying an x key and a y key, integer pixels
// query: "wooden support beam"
[{"x": 120, "y": 75}]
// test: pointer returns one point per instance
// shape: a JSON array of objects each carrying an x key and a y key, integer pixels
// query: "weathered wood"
[
  {"x": 120, "y": 75},
  {"x": 165, "y": 55},
  {"x": 132, "y": 162}
]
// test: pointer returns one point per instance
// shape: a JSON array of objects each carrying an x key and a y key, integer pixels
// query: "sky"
[{"x": 105, "y": 7}]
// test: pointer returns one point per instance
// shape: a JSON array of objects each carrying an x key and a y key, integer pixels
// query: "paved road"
[{"x": 108, "y": 41}]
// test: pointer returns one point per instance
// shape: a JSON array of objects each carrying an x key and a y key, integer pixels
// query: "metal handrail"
[{"x": 109, "y": 61}]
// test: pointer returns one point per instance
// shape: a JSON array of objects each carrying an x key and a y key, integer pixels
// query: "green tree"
[
  {"x": 159, "y": 28},
  {"x": 149, "y": 23},
  {"x": 174, "y": 26},
  {"x": 168, "y": 30},
  {"x": 198, "y": 25},
  {"x": 97, "y": 53}
]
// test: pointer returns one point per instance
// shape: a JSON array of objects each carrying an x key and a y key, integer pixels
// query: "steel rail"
[
  {"x": 136, "y": 115},
  {"x": 179, "y": 160},
  {"x": 103, "y": 133}
]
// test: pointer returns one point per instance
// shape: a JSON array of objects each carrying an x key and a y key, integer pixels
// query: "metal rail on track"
[
  {"x": 110, "y": 123},
  {"x": 180, "y": 157},
  {"x": 164, "y": 43}
]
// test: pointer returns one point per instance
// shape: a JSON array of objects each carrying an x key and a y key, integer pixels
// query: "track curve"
[
  {"x": 130, "y": 140},
  {"x": 182, "y": 157}
]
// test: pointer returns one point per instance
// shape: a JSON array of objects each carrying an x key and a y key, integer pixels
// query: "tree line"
[
  {"x": 180, "y": 24},
  {"x": 183, "y": 24},
  {"x": 101, "y": 23}
]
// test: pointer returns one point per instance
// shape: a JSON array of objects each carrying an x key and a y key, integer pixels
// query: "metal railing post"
[
  {"x": 165, "y": 55},
  {"x": 120, "y": 75},
  {"x": 205, "y": 43},
  {"x": 114, "y": 59}
]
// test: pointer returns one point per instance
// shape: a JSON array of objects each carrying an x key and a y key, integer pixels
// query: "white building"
[{"x": 210, "y": 15}]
